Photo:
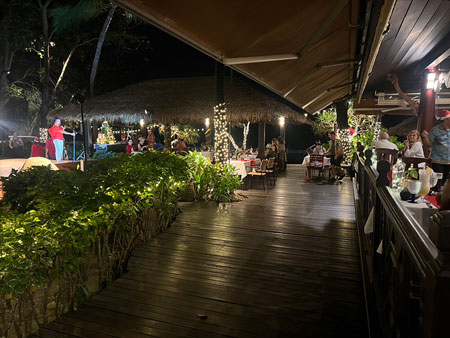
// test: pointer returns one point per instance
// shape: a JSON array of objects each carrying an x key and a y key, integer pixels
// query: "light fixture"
[
  {"x": 306, "y": 114},
  {"x": 142, "y": 123},
  {"x": 282, "y": 121},
  {"x": 431, "y": 81},
  {"x": 207, "y": 123}
]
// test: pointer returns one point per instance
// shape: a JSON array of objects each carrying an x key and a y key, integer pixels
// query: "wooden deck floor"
[{"x": 282, "y": 263}]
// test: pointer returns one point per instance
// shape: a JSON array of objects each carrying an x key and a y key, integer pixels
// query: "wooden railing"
[{"x": 406, "y": 271}]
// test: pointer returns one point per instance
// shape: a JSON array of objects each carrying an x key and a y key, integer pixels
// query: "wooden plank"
[{"x": 283, "y": 263}]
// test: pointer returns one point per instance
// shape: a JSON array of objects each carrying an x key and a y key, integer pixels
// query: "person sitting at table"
[
  {"x": 270, "y": 151},
  {"x": 317, "y": 150},
  {"x": 141, "y": 144},
  {"x": 50, "y": 151},
  {"x": 16, "y": 145},
  {"x": 413, "y": 145},
  {"x": 181, "y": 147},
  {"x": 130, "y": 147},
  {"x": 36, "y": 149},
  {"x": 383, "y": 142},
  {"x": 275, "y": 145}
]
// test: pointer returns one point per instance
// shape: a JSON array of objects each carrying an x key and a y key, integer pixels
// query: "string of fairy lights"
[{"x": 221, "y": 141}]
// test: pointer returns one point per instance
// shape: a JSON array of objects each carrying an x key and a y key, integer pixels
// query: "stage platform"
[{"x": 6, "y": 165}]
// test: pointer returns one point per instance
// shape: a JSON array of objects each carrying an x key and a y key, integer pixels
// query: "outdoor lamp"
[
  {"x": 207, "y": 123},
  {"x": 282, "y": 121},
  {"x": 431, "y": 81},
  {"x": 142, "y": 123}
]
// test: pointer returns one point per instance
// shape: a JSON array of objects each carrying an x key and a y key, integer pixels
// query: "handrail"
[
  {"x": 419, "y": 244},
  {"x": 408, "y": 280}
]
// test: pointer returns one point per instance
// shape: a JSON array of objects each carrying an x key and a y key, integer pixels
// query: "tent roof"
[
  {"x": 312, "y": 33},
  {"x": 183, "y": 100}
]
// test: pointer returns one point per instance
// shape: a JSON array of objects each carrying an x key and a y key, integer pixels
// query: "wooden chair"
[
  {"x": 270, "y": 170},
  {"x": 390, "y": 155},
  {"x": 260, "y": 172},
  {"x": 316, "y": 163}
]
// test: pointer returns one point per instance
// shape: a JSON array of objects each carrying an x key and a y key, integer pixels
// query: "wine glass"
[{"x": 414, "y": 188}]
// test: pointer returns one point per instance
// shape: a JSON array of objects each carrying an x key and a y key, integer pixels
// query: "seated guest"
[
  {"x": 36, "y": 149},
  {"x": 130, "y": 147},
  {"x": 317, "y": 150},
  {"x": 16, "y": 145},
  {"x": 181, "y": 147},
  {"x": 150, "y": 139},
  {"x": 384, "y": 143},
  {"x": 141, "y": 144},
  {"x": 413, "y": 145},
  {"x": 50, "y": 151},
  {"x": 158, "y": 147},
  {"x": 270, "y": 152}
]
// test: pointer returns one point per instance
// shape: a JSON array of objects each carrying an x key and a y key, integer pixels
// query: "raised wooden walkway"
[{"x": 282, "y": 263}]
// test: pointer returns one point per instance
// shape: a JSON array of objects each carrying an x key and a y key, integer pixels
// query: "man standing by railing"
[
  {"x": 336, "y": 154},
  {"x": 439, "y": 141},
  {"x": 58, "y": 138}
]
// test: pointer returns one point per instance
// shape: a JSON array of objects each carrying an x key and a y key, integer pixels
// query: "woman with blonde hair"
[{"x": 413, "y": 145}]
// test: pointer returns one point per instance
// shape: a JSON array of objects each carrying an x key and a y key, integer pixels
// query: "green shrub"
[{"x": 212, "y": 182}]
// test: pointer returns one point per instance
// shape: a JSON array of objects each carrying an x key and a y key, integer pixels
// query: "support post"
[
  {"x": 426, "y": 108},
  {"x": 221, "y": 143},
  {"x": 283, "y": 132},
  {"x": 261, "y": 139}
]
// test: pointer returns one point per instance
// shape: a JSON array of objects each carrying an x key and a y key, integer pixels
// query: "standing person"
[
  {"x": 16, "y": 145},
  {"x": 150, "y": 139},
  {"x": 36, "y": 149},
  {"x": 50, "y": 151},
  {"x": 336, "y": 153},
  {"x": 439, "y": 141},
  {"x": 283, "y": 153},
  {"x": 57, "y": 132}
]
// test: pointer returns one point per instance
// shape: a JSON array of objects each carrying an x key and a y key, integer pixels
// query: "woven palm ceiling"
[{"x": 315, "y": 33}]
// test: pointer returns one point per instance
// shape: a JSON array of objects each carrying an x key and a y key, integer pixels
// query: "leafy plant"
[
  {"x": 411, "y": 174},
  {"x": 212, "y": 182}
]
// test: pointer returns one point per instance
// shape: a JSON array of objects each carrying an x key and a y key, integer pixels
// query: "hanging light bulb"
[{"x": 282, "y": 121}]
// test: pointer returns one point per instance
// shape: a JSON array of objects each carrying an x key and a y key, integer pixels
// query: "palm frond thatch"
[
  {"x": 185, "y": 100},
  {"x": 404, "y": 127}
]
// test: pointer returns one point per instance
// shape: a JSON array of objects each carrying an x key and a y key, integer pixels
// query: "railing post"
[
  {"x": 437, "y": 304},
  {"x": 383, "y": 168},
  {"x": 368, "y": 156}
]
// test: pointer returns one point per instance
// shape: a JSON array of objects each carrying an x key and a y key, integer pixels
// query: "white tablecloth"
[
  {"x": 326, "y": 161},
  {"x": 242, "y": 167}
]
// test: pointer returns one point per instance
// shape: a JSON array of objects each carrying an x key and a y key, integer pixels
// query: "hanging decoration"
[
  {"x": 43, "y": 135},
  {"x": 233, "y": 142},
  {"x": 246, "y": 130},
  {"x": 346, "y": 141},
  {"x": 220, "y": 133}
]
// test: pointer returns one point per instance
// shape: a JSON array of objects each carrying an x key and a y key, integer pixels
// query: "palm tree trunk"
[
  {"x": 98, "y": 51},
  {"x": 46, "y": 77}
]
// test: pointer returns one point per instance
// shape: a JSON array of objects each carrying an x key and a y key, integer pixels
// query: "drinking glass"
[{"x": 414, "y": 188}]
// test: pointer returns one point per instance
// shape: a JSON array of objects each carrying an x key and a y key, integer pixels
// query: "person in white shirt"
[
  {"x": 384, "y": 143},
  {"x": 413, "y": 145}
]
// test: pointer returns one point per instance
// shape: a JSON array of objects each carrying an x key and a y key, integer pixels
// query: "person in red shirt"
[
  {"x": 36, "y": 149},
  {"x": 130, "y": 147},
  {"x": 50, "y": 149},
  {"x": 57, "y": 132}
]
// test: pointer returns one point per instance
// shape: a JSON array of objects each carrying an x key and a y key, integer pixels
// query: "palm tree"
[{"x": 85, "y": 10}]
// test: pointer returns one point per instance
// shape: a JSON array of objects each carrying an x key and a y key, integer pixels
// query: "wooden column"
[
  {"x": 94, "y": 131},
  {"x": 426, "y": 108},
  {"x": 283, "y": 132},
  {"x": 261, "y": 139}
]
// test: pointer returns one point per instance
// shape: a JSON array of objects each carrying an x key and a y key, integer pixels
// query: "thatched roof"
[
  {"x": 183, "y": 100},
  {"x": 404, "y": 127}
]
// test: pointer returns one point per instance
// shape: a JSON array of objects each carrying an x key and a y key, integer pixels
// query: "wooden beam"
[
  {"x": 337, "y": 63},
  {"x": 380, "y": 31},
  {"x": 323, "y": 28},
  {"x": 259, "y": 59},
  {"x": 261, "y": 139}
]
